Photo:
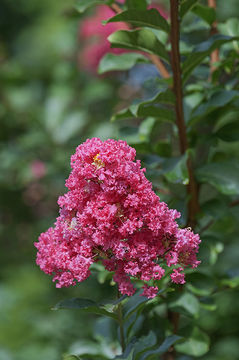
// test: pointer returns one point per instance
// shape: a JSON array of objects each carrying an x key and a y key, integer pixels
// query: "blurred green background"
[{"x": 49, "y": 105}]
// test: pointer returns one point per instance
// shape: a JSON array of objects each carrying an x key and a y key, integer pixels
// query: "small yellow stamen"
[{"x": 98, "y": 162}]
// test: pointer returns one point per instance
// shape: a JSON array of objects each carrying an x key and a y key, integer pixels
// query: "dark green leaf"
[
  {"x": 150, "y": 108},
  {"x": 176, "y": 170},
  {"x": 196, "y": 344},
  {"x": 125, "y": 113},
  {"x": 113, "y": 62},
  {"x": 185, "y": 303},
  {"x": 168, "y": 342},
  {"x": 186, "y": 5},
  {"x": 208, "y": 303},
  {"x": 205, "y": 12},
  {"x": 163, "y": 97},
  {"x": 143, "y": 344},
  {"x": 135, "y": 303},
  {"x": 229, "y": 132},
  {"x": 200, "y": 52},
  {"x": 83, "y": 304},
  {"x": 148, "y": 18},
  {"x": 214, "y": 208},
  {"x": 218, "y": 99},
  {"x": 224, "y": 176},
  {"x": 144, "y": 40},
  {"x": 82, "y": 5},
  {"x": 127, "y": 354},
  {"x": 74, "y": 303},
  {"x": 158, "y": 112},
  {"x": 136, "y": 4},
  {"x": 199, "y": 283},
  {"x": 130, "y": 323}
]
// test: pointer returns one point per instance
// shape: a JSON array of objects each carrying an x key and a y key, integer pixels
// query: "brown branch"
[
  {"x": 193, "y": 205},
  {"x": 116, "y": 8},
  {"x": 159, "y": 65},
  {"x": 234, "y": 203},
  {"x": 215, "y": 54},
  {"x": 154, "y": 58}
]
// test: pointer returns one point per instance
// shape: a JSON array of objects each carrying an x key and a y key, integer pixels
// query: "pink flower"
[
  {"x": 177, "y": 276},
  {"x": 38, "y": 169},
  {"x": 111, "y": 214},
  {"x": 150, "y": 291}
]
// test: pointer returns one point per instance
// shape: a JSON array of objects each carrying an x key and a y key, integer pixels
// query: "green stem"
[{"x": 121, "y": 326}]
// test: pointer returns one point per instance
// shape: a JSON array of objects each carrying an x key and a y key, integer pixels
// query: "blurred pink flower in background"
[
  {"x": 93, "y": 36},
  {"x": 38, "y": 169},
  {"x": 160, "y": 9}
]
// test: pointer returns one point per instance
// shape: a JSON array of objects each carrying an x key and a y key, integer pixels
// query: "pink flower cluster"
[
  {"x": 111, "y": 214},
  {"x": 93, "y": 35}
]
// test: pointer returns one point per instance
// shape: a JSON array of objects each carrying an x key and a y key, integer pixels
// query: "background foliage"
[{"x": 49, "y": 104}]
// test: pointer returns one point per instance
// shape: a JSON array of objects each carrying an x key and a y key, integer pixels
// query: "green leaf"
[
  {"x": 231, "y": 28},
  {"x": 215, "y": 249},
  {"x": 143, "y": 40},
  {"x": 150, "y": 107},
  {"x": 84, "y": 304},
  {"x": 214, "y": 208},
  {"x": 186, "y": 5},
  {"x": 164, "y": 97},
  {"x": 229, "y": 132},
  {"x": 231, "y": 282},
  {"x": 69, "y": 127},
  {"x": 199, "y": 283},
  {"x": 162, "y": 114},
  {"x": 196, "y": 344},
  {"x": 177, "y": 172},
  {"x": 201, "y": 51},
  {"x": 88, "y": 349},
  {"x": 218, "y": 99},
  {"x": 136, "y": 4},
  {"x": 70, "y": 357},
  {"x": 127, "y": 354},
  {"x": 143, "y": 344},
  {"x": 135, "y": 303},
  {"x": 167, "y": 343},
  {"x": 113, "y": 62},
  {"x": 185, "y": 303},
  {"x": 224, "y": 176},
  {"x": 74, "y": 303},
  {"x": 206, "y": 13},
  {"x": 146, "y": 128},
  {"x": 82, "y": 5},
  {"x": 148, "y": 18},
  {"x": 208, "y": 303},
  {"x": 128, "y": 113}
]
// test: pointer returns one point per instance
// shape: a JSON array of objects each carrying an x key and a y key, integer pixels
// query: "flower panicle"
[{"x": 111, "y": 214}]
